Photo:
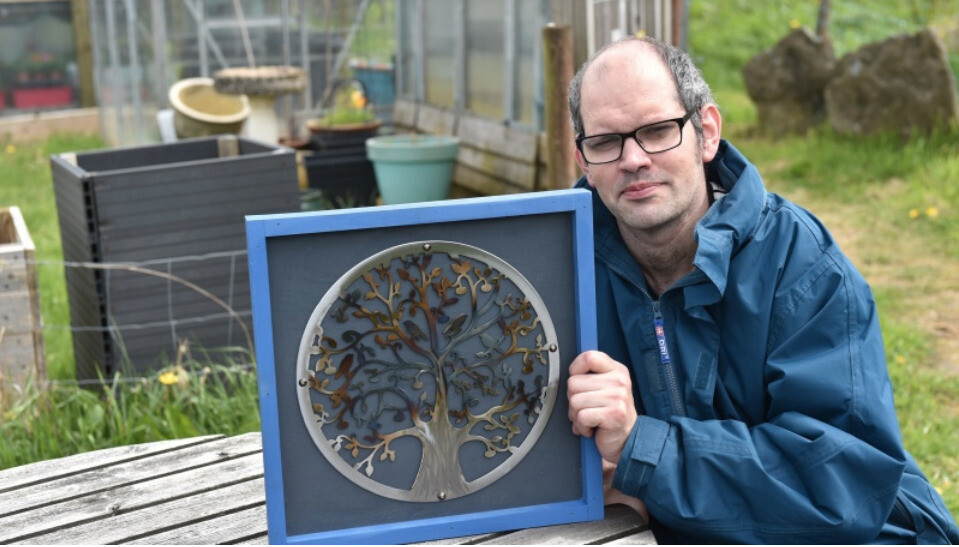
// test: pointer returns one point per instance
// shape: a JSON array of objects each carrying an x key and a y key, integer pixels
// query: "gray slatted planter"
[{"x": 175, "y": 209}]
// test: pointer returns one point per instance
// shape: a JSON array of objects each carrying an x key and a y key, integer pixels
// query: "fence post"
[{"x": 558, "y": 71}]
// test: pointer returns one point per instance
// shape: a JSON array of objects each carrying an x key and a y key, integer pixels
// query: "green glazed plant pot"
[{"x": 413, "y": 168}]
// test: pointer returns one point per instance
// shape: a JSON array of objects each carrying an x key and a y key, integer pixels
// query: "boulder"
[
  {"x": 903, "y": 84},
  {"x": 786, "y": 82}
]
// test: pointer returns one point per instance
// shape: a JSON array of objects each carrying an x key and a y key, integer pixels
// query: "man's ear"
[
  {"x": 712, "y": 129},
  {"x": 583, "y": 166}
]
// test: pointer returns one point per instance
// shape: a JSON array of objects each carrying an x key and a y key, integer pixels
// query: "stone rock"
[
  {"x": 786, "y": 82},
  {"x": 903, "y": 84}
]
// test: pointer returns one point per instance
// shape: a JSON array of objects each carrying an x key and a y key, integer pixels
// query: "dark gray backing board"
[{"x": 303, "y": 267}]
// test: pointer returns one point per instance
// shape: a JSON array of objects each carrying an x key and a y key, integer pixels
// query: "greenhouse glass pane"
[
  {"x": 440, "y": 49},
  {"x": 485, "y": 57},
  {"x": 528, "y": 27}
]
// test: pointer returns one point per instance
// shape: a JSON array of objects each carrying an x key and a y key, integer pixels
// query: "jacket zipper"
[{"x": 659, "y": 327}]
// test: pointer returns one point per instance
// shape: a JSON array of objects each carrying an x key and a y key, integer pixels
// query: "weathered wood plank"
[
  {"x": 481, "y": 183},
  {"x": 212, "y": 517},
  {"x": 245, "y": 526},
  {"x": 465, "y": 540},
  {"x": 435, "y": 121},
  {"x": 21, "y": 346},
  {"x": 97, "y": 506},
  {"x": 50, "y": 470},
  {"x": 13, "y": 268},
  {"x": 404, "y": 114},
  {"x": 543, "y": 183},
  {"x": 101, "y": 480},
  {"x": 15, "y": 310},
  {"x": 497, "y": 137},
  {"x": 256, "y": 540},
  {"x": 620, "y": 521},
  {"x": 520, "y": 173}
]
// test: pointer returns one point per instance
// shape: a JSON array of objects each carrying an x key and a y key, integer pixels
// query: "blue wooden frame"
[{"x": 261, "y": 228}]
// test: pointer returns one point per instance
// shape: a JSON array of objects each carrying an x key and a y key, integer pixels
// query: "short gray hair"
[{"x": 692, "y": 90}]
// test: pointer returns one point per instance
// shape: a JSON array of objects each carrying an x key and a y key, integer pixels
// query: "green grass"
[{"x": 182, "y": 401}]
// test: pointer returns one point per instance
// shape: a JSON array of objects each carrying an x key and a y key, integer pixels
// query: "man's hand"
[{"x": 601, "y": 402}]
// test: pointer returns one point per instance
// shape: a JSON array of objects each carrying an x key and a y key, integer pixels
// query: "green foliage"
[
  {"x": 346, "y": 115},
  {"x": 65, "y": 418},
  {"x": 724, "y": 36}
]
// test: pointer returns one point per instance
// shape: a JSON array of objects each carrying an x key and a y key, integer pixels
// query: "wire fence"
[{"x": 144, "y": 316}]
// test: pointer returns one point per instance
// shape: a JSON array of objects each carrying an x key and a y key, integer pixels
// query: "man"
[{"x": 740, "y": 391}]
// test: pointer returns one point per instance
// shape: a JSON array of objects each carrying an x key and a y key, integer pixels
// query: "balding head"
[{"x": 690, "y": 88}]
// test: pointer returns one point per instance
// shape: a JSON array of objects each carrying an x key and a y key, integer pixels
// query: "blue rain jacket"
[{"x": 766, "y": 410}]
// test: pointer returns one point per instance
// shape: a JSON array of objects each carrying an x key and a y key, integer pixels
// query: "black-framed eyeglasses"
[{"x": 652, "y": 138}]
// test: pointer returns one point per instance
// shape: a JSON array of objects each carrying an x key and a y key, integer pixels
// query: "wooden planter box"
[
  {"x": 163, "y": 226},
  {"x": 21, "y": 336}
]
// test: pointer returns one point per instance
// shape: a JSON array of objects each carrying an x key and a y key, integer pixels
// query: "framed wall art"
[{"x": 412, "y": 362}]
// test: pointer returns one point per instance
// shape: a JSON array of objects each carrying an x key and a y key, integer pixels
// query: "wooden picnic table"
[{"x": 201, "y": 490}]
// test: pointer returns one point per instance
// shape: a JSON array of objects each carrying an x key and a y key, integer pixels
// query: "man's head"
[
  {"x": 691, "y": 89},
  {"x": 623, "y": 100}
]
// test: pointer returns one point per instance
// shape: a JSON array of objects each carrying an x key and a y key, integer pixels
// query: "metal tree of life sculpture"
[{"x": 428, "y": 371}]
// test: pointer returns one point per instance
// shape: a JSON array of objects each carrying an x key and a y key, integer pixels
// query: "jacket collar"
[{"x": 724, "y": 229}]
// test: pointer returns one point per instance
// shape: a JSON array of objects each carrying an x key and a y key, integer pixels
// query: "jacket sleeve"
[{"x": 825, "y": 463}]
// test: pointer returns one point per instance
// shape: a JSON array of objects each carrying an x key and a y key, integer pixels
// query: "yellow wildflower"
[
  {"x": 900, "y": 359},
  {"x": 168, "y": 378},
  {"x": 932, "y": 212},
  {"x": 11, "y": 149},
  {"x": 794, "y": 23},
  {"x": 175, "y": 375},
  {"x": 357, "y": 99},
  {"x": 913, "y": 213}
]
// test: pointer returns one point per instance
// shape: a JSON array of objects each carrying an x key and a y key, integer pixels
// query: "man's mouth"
[{"x": 640, "y": 190}]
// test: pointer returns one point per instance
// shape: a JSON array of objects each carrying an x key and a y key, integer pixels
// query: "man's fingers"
[
  {"x": 599, "y": 409},
  {"x": 592, "y": 361}
]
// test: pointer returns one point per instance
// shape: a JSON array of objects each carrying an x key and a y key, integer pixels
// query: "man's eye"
[
  {"x": 604, "y": 143},
  {"x": 656, "y": 131}
]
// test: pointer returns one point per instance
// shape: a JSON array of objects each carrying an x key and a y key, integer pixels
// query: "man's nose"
[{"x": 633, "y": 154}]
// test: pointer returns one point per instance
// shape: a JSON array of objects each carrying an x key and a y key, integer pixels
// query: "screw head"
[
  {"x": 427, "y": 246},
  {"x": 553, "y": 347},
  {"x": 441, "y": 496},
  {"x": 302, "y": 382}
]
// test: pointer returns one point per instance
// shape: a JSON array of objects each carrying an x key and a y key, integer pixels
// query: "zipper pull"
[{"x": 659, "y": 327}]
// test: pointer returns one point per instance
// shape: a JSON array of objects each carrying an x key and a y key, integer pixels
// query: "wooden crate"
[{"x": 21, "y": 334}]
